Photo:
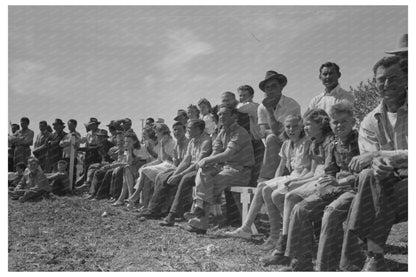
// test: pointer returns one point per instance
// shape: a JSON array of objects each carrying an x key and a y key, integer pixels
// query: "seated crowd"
[{"x": 322, "y": 181}]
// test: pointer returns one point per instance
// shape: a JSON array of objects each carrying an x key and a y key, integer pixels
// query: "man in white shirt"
[
  {"x": 273, "y": 110},
  {"x": 329, "y": 74}
]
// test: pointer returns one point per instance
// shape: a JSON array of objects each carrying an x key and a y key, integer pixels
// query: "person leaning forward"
[
  {"x": 271, "y": 113},
  {"x": 229, "y": 164}
]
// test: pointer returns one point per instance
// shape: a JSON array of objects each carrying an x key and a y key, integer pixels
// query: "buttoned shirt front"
[
  {"x": 251, "y": 108},
  {"x": 199, "y": 147},
  {"x": 180, "y": 150},
  {"x": 326, "y": 100},
  {"x": 237, "y": 139},
  {"x": 286, "y": 106}
]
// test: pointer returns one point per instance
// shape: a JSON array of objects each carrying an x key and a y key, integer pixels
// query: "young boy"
[
  {"x": 15, "y": 177},
  {"x": 59, "y": 181},
  {"x": 334, "y": 194},
  {"x": 33, "y": 183}
]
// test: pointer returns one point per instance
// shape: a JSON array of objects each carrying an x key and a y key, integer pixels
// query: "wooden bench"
[{"x": 245, "y": 198}]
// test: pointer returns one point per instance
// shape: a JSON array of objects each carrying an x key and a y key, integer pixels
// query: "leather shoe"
[
  {"x": 192, "y": 229},
  {"x": 198, "y": 212}
]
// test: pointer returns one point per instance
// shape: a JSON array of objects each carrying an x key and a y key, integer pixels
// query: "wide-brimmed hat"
[
  {"x": 270, "y": 75},
  {"x": 58, "y": 121},
  {"x": 181, "y": 113},
  {"x": 401, "y": 45},
  {"x": 102, "y": 132},
  {"x": 93, "y": 120}
]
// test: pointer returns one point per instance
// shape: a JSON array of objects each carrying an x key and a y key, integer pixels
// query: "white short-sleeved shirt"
[
  {"x": 286, "y": 106},
  {"x": 326, "y": 100}
]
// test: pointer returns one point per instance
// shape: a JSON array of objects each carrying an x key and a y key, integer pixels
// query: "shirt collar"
[
  {"x": 334, "y": 91},
  {"x": 282, "y": 101},
  {"x": 381, "y": 108}
]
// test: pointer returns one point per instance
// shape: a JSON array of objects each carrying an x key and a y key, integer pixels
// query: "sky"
[{"x": 114, "y": 62}]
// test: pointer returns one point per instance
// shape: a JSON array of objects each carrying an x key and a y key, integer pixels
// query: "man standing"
[
  {"x": 40, "y": 150},
  {"x": 329, "y": 75},
  {"x": 229, "y": 164},
  {"x": 382, "y": 194},
  {"x": 247, "y": 106},
  {"x": 271, "y": 113},
  {"x": 54, "y": 150},
  {"x": 22, "y": 140}
]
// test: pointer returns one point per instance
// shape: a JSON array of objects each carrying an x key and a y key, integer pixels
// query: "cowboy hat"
[
  {"x": 58, "y": 121},
  {"x": 270, "y": 75},
  {"x": 179, "y": 114},
  {"x": 93, "y": 120},
  {"x": 401, "y": 45},
  {"x": 102, "y": 132}
]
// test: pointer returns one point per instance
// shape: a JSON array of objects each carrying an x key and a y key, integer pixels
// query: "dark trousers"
[
  {"x": 332, "y": 232},
  {"x": 103, "y": 190},
  {"x": 258, "y": 148},
  {"x": 376, "y": 207},
  {"x": 162, "y": 194},
  {"x": 116, "y": 182},
  {"x": 97, "y": 180},
  {"x": 183, "y": 197}
]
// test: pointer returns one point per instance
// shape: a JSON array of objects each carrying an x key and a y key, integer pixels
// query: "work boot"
[{"x": 375, "y": 262}]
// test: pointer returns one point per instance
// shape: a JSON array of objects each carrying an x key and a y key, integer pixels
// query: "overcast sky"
[{"x": 140, "y": 61}]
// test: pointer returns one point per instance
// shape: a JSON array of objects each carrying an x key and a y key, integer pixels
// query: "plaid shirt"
[
  {"x": 376, "y": 132},
  {"x": 340, "y": 154}
]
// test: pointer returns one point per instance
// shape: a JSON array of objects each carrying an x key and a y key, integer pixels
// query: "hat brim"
[
  {"x": 282, "y": 78},
  {"x": 399, "y": 50},
  {"x": 90, "y": 123},
  {"x": 176, "y": 118},
  {"x": 53, "y": 124}
]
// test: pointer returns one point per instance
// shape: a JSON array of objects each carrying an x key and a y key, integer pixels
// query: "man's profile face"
[
  {"x": 71, "y": 125},
  {"x": 391, "y": 83},
  {"x": 273, "y": 88},
  {"x": 329, "y": 77},
  {"x": 179, "y": 132},
  {"x": 244, "y": 96},
  {"x": 42, "y": 127},
  {"x": 23, "y": 124},
  {"x": 193, "y": 130},
  {"x": 225, "y": 117}
]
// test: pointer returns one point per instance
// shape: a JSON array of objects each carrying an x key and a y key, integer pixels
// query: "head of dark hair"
[
  {"x": 330, "y": 64},
  {"x": 320, "y": 117},
  {"x": 25, "y": 119},
  {"x": 43, "y": 122},
  {"x": 73, "y": 121},
  {"x": 246, "y": 88},
  {"x": 386, "y": 62},
  {"x": 178, "y": 123},
  {"x": 198, "y": 123}
]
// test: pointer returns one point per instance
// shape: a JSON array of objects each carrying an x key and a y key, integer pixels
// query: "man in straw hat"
[{"x": 272, "y": 112}]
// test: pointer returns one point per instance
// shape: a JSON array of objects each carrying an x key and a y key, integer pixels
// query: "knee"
[
  {"x": 271, "y": 139},
  {"x": 299, "y": 210},
  {"x": 330, "y": 216},
  {"x": 260, "y": 186},
  {"x": 267, "y": 192}
]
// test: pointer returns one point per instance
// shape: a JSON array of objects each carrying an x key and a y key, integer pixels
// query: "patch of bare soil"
[{"x": 73, "y": 234}]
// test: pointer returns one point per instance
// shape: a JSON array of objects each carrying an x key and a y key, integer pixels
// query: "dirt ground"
[{"x": 73, "y": 234}]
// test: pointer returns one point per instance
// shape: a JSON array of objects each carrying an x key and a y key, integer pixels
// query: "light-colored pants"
[{"x": 211, "y": 181}]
